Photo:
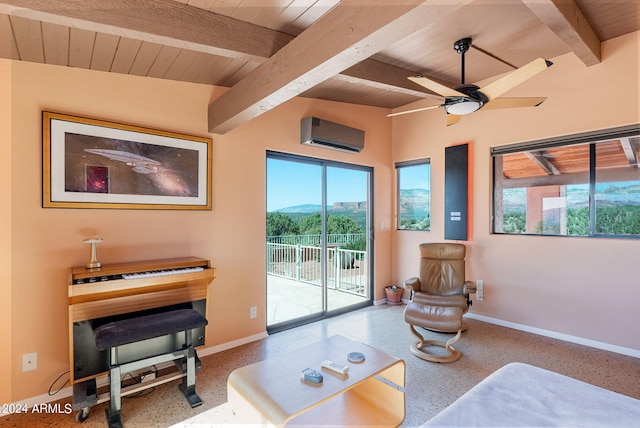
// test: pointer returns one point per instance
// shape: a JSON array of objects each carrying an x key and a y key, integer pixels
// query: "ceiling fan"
[{"x": 465, "y": 98}]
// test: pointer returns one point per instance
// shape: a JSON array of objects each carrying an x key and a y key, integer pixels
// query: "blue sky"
[
  {"x": 293, "y": 183},
  {"x": 415, "y": 177}
]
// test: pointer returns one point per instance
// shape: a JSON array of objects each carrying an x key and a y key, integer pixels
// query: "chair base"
[
  {"x": 418, "y": 348},
  {"x": 465, "y": 327}
]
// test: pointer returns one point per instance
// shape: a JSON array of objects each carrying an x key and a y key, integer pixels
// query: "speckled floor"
[{"x": 430, "y": 387}]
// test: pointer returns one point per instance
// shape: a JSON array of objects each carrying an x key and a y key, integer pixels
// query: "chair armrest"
[
  {"x": 469, "y": 287},
  {"x": 412, "y": 284}
]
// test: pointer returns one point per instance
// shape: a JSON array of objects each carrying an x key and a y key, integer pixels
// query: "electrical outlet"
[
  {"x": 29, "y": 362},
  {"x": 253, "y": 312},
  {"x": 480, "y": 290}
]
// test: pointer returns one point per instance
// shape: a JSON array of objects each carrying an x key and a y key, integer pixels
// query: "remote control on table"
[
  {"x": 335, "y": 367},
  {"x": 311, "y": 375}
]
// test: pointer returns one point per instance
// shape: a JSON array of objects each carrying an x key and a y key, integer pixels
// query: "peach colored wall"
[
  {"x": 6, "y": 362},
  {"x": 575, "y": 286},
  {"x": 46, "y": 242}
]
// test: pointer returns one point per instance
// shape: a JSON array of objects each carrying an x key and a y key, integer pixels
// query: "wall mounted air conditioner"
[{"x": 320, "y": 132}]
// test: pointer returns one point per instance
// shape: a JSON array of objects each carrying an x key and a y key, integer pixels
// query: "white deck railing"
[
  {"x": 332, "y": 239},
  {"x": 346, "y": 269}
]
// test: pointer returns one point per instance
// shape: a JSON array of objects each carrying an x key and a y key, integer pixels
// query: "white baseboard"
[
  {"x": 555, "y": 335},
  {"x": 203, "y": 352},
  {"x": 104, "y": 380}
]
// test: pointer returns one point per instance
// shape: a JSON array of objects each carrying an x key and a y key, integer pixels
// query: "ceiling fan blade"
[
  {"x": 505, "y": 102},
  {"x": 436, "y": 87},
  {"x": 513, "y": 79},
  {"x": 452, "y": 119},
  {"x": 415, "y": 110}
]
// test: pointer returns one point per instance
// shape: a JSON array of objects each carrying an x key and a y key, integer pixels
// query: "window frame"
[
  {"x": 590, "y": 138},
  {"x": 399, "y": 167}
]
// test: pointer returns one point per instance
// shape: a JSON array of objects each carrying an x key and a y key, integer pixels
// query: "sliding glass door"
[
  {"x": 318, "y": 239},
  {"x": 347, "y": 192}
]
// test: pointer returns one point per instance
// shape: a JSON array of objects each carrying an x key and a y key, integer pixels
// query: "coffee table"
[{"x": 271, "y": 392}]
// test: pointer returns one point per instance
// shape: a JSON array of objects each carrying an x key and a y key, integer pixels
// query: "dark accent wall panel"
[{"x": 456, "y": 192}]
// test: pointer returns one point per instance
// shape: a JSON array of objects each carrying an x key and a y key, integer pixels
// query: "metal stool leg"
[
  {"x": 188, "y": 385},
  {"x": 115, "y": 405}
]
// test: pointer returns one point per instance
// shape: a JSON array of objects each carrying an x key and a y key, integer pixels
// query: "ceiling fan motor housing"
[{"x": 465, "y": 105}]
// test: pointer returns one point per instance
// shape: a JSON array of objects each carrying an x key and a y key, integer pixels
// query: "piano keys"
[{"x": 124, "y": 290}]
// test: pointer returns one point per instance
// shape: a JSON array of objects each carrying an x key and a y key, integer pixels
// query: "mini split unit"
[{"x": 320, "y": 132}]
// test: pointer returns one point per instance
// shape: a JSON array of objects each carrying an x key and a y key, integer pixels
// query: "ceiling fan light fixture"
[
  {"x": 463, "y": 107},
  {"x": 468, "y": 98}
]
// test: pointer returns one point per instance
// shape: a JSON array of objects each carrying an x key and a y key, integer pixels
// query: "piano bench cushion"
[{"x": 131, "y": 330}]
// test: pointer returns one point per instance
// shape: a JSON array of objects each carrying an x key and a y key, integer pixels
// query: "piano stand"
[{"x": 110, "y": 336}]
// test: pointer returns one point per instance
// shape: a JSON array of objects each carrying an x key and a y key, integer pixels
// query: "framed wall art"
[{"x": 90, "y": 163}]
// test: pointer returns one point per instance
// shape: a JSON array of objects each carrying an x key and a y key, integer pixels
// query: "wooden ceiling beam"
[
  {"x": 348, "y": 34},
  {"x": 163, "y": 22},
  {"x": 629, "y": 152},
  {"x": 539, "y": 159},
  {"x": 567, "y": 21},
  {"x": 191, "y": 29}
]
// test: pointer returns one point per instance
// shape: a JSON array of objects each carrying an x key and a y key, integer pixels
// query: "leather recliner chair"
[{"x": 440, "y": 296}]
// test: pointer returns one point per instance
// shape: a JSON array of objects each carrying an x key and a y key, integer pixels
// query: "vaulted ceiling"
[{"x": 269, "y": 51}]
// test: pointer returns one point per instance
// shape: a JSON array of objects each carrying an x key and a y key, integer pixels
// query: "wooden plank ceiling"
[
  {"x": 269, "y": 51},
  {"x": 616, "y": 160}
]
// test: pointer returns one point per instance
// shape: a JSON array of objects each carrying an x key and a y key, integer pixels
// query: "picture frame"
[{"x": 90, "y": 163}]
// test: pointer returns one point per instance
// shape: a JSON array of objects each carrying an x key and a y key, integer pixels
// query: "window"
[
  {"x": 583, "y": 185},
  {"x": 414, "y": 195}
]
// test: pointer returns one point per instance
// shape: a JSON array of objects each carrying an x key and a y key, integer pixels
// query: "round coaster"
[{"x": 355, "y": 357}]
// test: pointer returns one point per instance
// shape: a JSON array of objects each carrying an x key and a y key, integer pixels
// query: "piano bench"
[{"x": 111, "y": 335}]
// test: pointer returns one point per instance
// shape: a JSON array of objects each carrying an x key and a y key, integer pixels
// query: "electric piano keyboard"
[
  {"x": 130, "y": 289},
  {"x": 156, "y": 273},
  {"x": 138, "y": 275}
]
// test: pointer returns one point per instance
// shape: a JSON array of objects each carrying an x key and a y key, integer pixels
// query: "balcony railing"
[
  {"x": 332, "y": 239},
  {"x": 346, "y": 269}
]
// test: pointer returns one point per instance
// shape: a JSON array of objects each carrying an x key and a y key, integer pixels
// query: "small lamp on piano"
[{"x": 93, "y": 262}]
